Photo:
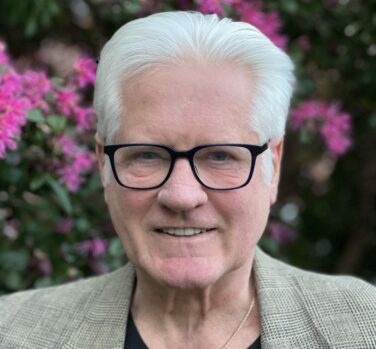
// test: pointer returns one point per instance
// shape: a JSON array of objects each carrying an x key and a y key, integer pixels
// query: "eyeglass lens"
[{"x": 217, "y": 167}]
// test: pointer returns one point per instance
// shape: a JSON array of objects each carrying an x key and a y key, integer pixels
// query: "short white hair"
[{"x": 169, "y": 38}]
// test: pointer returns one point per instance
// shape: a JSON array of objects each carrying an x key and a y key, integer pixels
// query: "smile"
[{"x": 182, "y": 231}]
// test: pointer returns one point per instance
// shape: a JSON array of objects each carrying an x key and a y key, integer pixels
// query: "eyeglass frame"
[{"x": 255, "y": 151}]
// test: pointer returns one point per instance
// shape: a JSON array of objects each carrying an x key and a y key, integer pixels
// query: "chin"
[{"x": 195, "y": 273}]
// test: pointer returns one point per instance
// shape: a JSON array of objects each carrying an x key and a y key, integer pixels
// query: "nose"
[{"x": 182, "y": 191}]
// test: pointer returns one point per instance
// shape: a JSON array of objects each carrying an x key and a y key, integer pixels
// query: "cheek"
[
  {"x": 128, "y": 209},
  {"x": 127, "y": 201},
  {"x": 248, "y": 212},
  {"x": 251, "y": 214},
  {"x": 126, "y": 206}
]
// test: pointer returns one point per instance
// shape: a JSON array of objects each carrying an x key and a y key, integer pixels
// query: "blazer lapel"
[
  {"x": 286, "y": 322},
  {"x": 103, "y": 326}
]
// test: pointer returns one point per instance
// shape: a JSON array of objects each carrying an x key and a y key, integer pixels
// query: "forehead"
[{"x": 191, "y": 100}]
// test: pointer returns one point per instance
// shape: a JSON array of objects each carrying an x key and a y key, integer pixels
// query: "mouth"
[{"x": 183, "y": 232}]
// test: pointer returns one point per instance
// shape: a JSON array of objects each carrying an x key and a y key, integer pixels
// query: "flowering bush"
[
  {"x": 56, "y": 111},
  {"x": 46, "y": 131},
  {"x": 53, "y": 221},
  {"x": 327, "y": 120},
  {"x": 251, "y": 12}
]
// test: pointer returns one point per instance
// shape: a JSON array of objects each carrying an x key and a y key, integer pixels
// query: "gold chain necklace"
[{"x": 228, "y": 342}]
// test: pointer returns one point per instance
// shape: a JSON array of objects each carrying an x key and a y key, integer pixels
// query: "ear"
[{"x": 276, "y": 148}]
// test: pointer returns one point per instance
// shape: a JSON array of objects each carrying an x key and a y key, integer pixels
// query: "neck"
[{"x": 185, "y": 313}]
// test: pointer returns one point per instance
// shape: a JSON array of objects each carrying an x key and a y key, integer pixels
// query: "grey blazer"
[{"x": 299, "y": 309}]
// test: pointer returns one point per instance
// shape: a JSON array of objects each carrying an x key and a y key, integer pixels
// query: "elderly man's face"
[{"x": 185, "y": 106}]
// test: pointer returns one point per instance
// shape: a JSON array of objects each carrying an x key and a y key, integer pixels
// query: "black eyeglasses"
[{"x": 215, "y": 166}]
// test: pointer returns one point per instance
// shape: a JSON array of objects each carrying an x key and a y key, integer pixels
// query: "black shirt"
[{"x": 133, "y": 339}]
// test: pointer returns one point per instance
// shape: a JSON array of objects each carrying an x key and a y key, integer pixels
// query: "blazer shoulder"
[
  {"x": 336, "y": 311},
  {"x": 79, "y": 288},
  {"x": 29, "y": 313},
  {"x": 315, "y": 284}
]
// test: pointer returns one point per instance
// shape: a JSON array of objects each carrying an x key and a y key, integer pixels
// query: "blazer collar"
[
  {"x": 103, "y": 325},
  {"x": 287, "y": 320}
]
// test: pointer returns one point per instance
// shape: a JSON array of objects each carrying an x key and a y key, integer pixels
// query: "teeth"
[{"x": 183, "y": 231}]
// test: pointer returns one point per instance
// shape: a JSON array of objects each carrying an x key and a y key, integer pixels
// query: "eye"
[
  {"x": 218, "y": 156},
  {"x": 147, "y": 155},
  {"x": 140, "y": 156},
  {"x": 223, "y": 156}
]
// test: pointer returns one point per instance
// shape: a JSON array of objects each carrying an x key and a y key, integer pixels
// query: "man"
[{"x": 191, "y": 117}]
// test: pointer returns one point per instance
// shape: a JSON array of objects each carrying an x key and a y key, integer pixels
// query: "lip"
[{"x": 165, "y": 231}]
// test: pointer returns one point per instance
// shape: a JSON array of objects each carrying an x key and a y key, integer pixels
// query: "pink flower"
[
  {"x": 308, "y": 110},
  {"x": 333, "y": 125},
  {"x": 83, "y": 160},
  {"x": 281, "y": 233},
  {"x": 335, "y": 131},
  {"x": 66, "y": 101},
  {"x": 36, "y": 82},
  {"x": 67, "y": 145},
  {"x": 95, "y": 247},
  {"x": 45, "y": 266},
  {"x": 64, "y": 226},
  {"x": 85, "y": 69},
  {"x": 71, "y": 174},
  {"x": 41, "y": 262},
  {"x": 35, "y": 85},
  {"x": 71, "y": 178},
  {"x": 251, "y": 12},
  {"x": 11, "y": 82},
  {"x": 85, "y": 117},
  {"x": 267, "y": 22},
  {"x": 20, "y": 93},
  {"x": 98, "y": 266},
  {"x": 211, "y": 6},
  {"x": 13, "y": 111}
]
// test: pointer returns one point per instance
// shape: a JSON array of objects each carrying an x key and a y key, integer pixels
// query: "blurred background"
[{"x": 54, "y": 226}]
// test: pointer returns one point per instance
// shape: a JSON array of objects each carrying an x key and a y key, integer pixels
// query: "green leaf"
[
  {"x": 49, "y": 96},
  {"x": 35, "y": 115},
  {"x": 54, "y": 8},
  {"x": 83, "y": 224},
  {"x": 14, "y": 173},
  {"x": 269, "y": 245},
  {"x": 43, "y": 282},
  {"x": 290, "y": 7},
  {"x": 131, "y": 7},
  {"x": 13, "y": 280},
  {"x": 57, "y": 122},
  {"x": 38, "y": 181},
  {"x": 57, "y": 81},
  {"x": 30, "y": 27},
  {"x": 61, "y": 194},
  {"x": 305, "y": 136},
  {"x": 116, "y": 249},
  {"x": 15, "y": 260},
  {"x": 372, "y": 121}
]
